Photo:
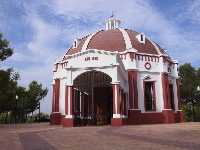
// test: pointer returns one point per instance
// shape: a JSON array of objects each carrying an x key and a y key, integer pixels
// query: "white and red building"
[{"x": 115, "y": 76}]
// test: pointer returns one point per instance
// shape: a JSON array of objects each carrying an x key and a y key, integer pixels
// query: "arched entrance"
[{"x": 92, "y": 98}]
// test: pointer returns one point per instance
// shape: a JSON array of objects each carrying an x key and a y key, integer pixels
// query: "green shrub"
[{"x": 188, "y": 113}]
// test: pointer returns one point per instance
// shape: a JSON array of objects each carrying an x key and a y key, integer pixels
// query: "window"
[
  {"x": 149, "y": 96},
  {"x": 141, "y": 37},
  {"x": 75, "y": 44}
]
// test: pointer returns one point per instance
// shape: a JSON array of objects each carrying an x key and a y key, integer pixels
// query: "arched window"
[
  {"x": 75, "y": 44},
  {"x": 141, "y": 38}
]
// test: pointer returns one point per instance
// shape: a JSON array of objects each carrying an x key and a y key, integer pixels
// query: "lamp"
[{"x": 198, "y": 88}]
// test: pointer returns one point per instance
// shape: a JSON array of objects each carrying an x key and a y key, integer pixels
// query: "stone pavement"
[{"x": 47, "y": 137}]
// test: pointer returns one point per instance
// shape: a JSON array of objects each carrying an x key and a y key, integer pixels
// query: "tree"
[
  {"x": 7, "y": 78},
  {"x": 198, "y": 76},
  {"x": 8, "y": 82},
  {"x": 5, "y": 50},
  {"x": 190, "y": 79},
  {"x": 35, "y": 94},
  {"x": 20, "y": 103},
  {"x": 28, "y": 98}
]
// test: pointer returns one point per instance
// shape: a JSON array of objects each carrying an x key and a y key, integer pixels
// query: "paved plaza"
[{"x": 47, "y": 137}]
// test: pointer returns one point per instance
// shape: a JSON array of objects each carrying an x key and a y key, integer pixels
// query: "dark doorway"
[
  {"x": 171, "y": 95},
  {"x": 92, "y": 100},
  {"x": 149, "y": 96}
]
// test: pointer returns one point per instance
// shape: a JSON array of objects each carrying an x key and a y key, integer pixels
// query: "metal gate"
[{"x": 92, "y": 98}]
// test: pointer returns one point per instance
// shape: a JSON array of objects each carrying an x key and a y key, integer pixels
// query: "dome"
[{"x": 116, "y": 39}]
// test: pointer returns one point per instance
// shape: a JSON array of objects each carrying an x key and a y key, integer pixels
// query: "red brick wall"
[
  {"x": 165, "y": 85},
  {"x": 57, "y": 95},
  {"x": 133, "y": 91}
]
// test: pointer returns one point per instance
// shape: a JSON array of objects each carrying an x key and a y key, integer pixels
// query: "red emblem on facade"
[{"x": 147, "y": 65}]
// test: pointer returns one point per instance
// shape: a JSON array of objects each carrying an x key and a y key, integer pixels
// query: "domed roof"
[
  {"x": 116, "y": 39},
  {"x": 109, "y": 40}
]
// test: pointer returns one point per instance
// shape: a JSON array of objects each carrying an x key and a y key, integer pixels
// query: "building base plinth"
[
  {"x": 68, "y": 122},
  {"x": 134, "y": 116},
  {"x": 179, "y": 116},
  {"x": 118, "y": 121},
  {"x": 55, "y": 118},
  {"x": 166, "y": 116},
  {"x": 169, "y": 116}
]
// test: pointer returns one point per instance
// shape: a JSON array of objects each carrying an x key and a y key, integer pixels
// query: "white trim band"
[
  {"x": 116, "y": 116},
  {"x": 126, "y": 38},
  {"x": 68, "y": 116}
]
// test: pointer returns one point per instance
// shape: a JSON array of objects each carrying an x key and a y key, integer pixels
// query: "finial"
[{"x": 112, "y": 14}]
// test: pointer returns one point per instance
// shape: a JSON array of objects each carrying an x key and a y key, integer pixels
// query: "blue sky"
[{"x": 42, "y": 31}]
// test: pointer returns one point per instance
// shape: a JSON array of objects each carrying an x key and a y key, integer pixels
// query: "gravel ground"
[{"x": 47, "y": 137}]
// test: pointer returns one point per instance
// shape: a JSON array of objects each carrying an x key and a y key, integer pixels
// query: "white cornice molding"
[
  {"x": 92, "y": 50},
  {"x": 116, "y": 82},
  {"x": 53, "y": 82},
  {"x": 92, "y": 68},
  {"x": 132, "y": 50}
]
